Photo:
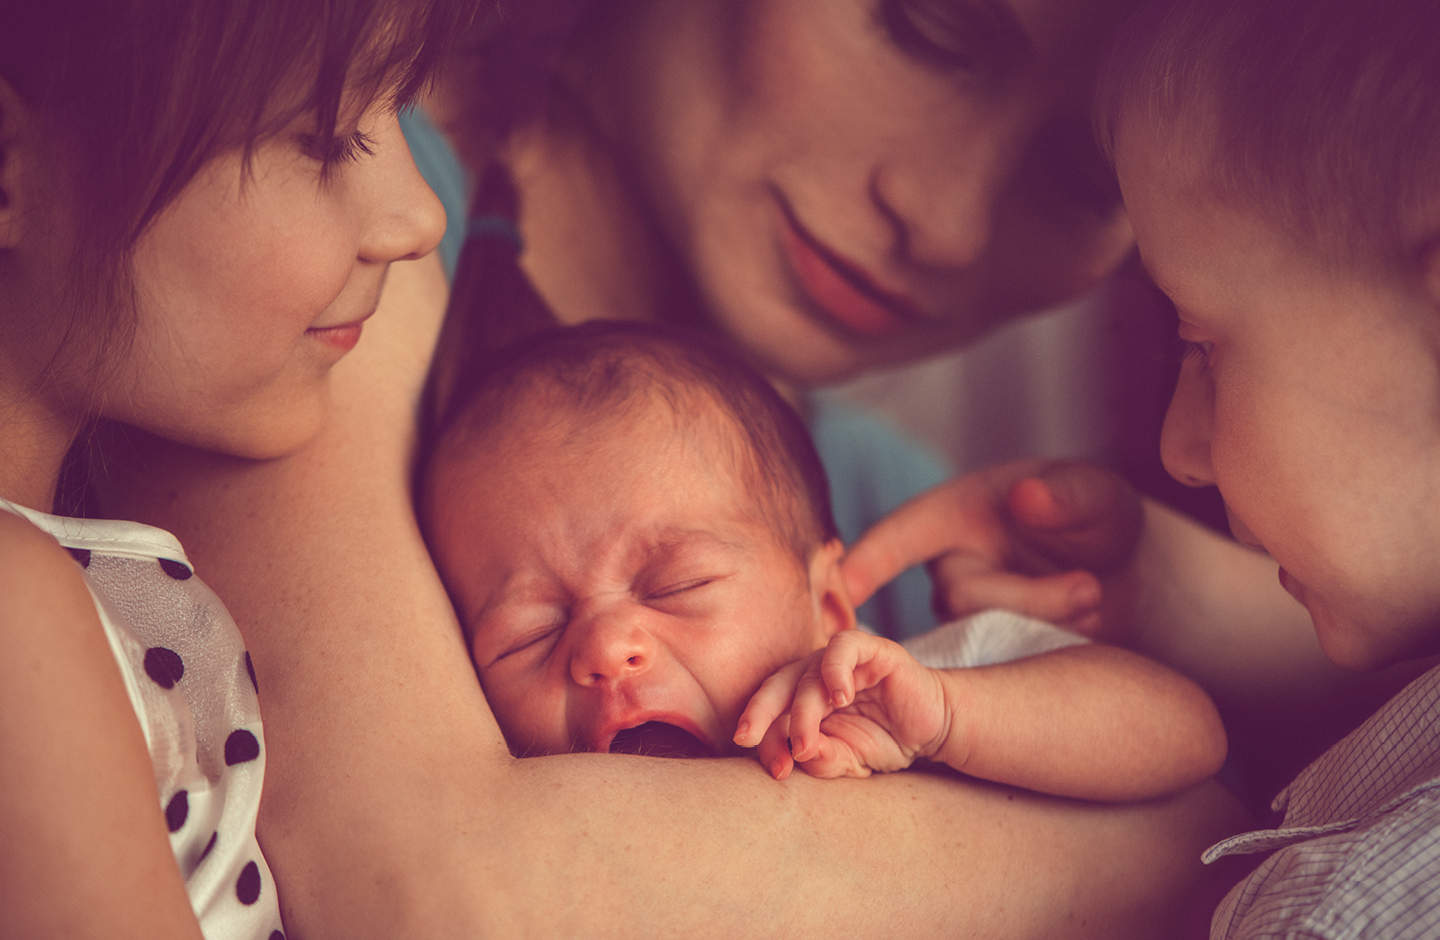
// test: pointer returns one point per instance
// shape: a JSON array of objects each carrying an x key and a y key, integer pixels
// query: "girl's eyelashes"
[{"x": 340, "y": 149}]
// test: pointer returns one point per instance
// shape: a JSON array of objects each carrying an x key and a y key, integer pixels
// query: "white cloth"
[
  {"x": 987, "y": 638},
  {"x": 193, "y": 689},
  {"x": 1358, "y": 852}
]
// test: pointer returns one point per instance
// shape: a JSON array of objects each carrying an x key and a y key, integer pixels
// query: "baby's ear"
[{"x": 833, "y": 609}]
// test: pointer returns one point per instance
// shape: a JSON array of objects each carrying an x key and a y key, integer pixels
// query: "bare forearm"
[
  {"x": 1090, "y": 722},
  {"x": 1215, "y": 611},
  {"x": 392, "y": 807}
]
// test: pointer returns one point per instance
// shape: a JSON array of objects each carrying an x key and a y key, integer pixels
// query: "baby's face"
[
  {"x": 1311, "y": 397},
  {"x": 616, "y": 574}
]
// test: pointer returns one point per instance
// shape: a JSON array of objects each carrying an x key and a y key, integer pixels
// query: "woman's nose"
[
  {"x": 609, "y": 645},
  {"x": 1185, "y": 438},
  {"x": 942, "y": 200},
  {"x": 406, "y": 219}
]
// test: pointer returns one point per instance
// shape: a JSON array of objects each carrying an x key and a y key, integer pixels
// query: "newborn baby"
[{"x": 635, "y": 530}]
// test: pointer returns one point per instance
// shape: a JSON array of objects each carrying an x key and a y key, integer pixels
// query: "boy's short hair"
[
  {"x": 1323, "y": 116},
  {"x": 603, "y": 365}
]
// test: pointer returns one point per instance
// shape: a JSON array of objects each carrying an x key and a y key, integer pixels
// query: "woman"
[
  {"x": 393, "y": 806},
  {"x": 835, "y": 186}
]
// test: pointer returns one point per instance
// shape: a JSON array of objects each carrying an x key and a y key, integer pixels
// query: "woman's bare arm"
[{"x": 392, "y": 807}]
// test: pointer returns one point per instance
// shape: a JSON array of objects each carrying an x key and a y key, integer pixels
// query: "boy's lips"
[{"x": 843, "y": 291}]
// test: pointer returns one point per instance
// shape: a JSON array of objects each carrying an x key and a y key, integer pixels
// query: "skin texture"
[
  {"x": 380, "y": 820},
  {"x": 747, "y": 164},
  {"x": 613, "y": 569},
  {"x": 1307, "y": 398},
  {"x": 240, "y": 289}
]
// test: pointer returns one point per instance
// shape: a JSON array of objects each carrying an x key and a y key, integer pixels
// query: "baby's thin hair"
[
  {"x": 1323, "y": 116},
  {"x": 605, "y": 367}
]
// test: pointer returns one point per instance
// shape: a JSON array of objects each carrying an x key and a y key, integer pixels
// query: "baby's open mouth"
[{"x": 659, "y": 739}]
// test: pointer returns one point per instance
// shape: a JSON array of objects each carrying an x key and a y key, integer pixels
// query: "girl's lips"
[
  {"x": 842, "y": 290},
  {"x": 343, "y": 337}
]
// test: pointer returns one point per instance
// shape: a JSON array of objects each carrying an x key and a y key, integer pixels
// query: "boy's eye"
[{"x": 1192, "y": 350}]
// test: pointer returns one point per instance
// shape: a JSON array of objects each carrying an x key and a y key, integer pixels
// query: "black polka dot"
[
  {"x": 175, "y": 569},
  {"x": 250, "y": 668},
  {"x": 276, "y": 935},
  {"x": 247, "y": 886},
  {"x": 177, "y": 810},
  {"x": 81, "y": 555},
  {"x": 240, "y": 747},
  {"x": 164, "y": 666},
  {"x": 208, "y": 846}
]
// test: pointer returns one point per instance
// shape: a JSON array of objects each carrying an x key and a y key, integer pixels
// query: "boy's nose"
[
  {"x": 1185, "y": 439},
  {"x": 609, "y": 646}
]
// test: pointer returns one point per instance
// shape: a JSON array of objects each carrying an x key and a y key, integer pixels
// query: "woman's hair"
[
  {"x": 138, "y": 95},
  {"x": 1323, "y": 116}
]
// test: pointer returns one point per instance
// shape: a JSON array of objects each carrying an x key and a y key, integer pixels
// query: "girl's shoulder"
[{"x": 38, "y": 577}]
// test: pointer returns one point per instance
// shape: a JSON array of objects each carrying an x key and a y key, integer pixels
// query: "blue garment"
[
  {"x": 441, "y": 168},
  {"x": 874, "y": 467}
]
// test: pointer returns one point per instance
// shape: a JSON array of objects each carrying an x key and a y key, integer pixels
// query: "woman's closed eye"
[{"x": 970, "y": 36}]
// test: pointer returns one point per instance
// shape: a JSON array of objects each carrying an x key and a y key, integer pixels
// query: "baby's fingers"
[
  {"x": 769, "y": 702},
  {"x": 810, "y": 706},
  {"x": 774, "y": 749}
]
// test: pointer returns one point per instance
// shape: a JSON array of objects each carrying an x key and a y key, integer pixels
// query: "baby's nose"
[{"x": 609, "y": 646}]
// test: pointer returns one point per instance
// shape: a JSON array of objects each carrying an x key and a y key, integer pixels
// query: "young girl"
[{"x": 199, "y": 202}]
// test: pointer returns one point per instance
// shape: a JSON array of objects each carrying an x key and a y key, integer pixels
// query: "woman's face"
[{"x": 856, "y": 182}]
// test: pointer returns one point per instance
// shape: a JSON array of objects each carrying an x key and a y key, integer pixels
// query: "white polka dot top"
[{"x": 193, "y": 689}]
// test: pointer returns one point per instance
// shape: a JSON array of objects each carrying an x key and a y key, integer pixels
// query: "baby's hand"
[{"x": 862, "y": 704}]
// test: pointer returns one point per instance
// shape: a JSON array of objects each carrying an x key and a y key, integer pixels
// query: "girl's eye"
[{"x": 340, "y": 150}]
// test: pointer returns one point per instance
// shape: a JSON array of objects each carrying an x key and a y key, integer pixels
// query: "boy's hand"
[
  {"x": 862, "y": 704},
  {"x": 1009, "y": 536}
]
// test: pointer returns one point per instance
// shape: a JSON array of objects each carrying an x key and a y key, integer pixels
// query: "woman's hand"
[
  {"x": 1031, "y": 536},
  {"x": 860, "y": 705}
]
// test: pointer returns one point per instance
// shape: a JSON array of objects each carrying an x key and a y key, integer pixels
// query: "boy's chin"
[{"x": 659, "y": 739}]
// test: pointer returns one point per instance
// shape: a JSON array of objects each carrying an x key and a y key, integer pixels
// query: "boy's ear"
[
  {"x": 17, "y": 129},
  {"x": 827, "y": 588}
]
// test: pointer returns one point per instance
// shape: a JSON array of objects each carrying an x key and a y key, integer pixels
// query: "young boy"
[
  {"x": 1280, "y": 161},
  {"x": 636, "y": 532}
]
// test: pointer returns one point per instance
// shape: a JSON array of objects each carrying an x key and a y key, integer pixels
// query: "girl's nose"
[
  {"x": 1185, "y": 439},
  {"x": 406, "y": 219},
  {"x": 610, "y": 645}
]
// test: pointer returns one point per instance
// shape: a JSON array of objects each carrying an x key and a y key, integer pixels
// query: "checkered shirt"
[{"x": 1358, "y": 853}]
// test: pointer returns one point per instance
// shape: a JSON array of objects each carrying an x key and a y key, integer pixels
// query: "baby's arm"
[{"x": 1091, "y": 722}]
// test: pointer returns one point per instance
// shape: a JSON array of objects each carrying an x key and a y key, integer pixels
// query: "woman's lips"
[{"x": 842, "y": 290}]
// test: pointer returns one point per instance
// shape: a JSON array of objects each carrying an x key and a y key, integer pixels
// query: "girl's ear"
[
  {"x": 16, "y": 143},
  {"x": 833, "y": 609}
]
